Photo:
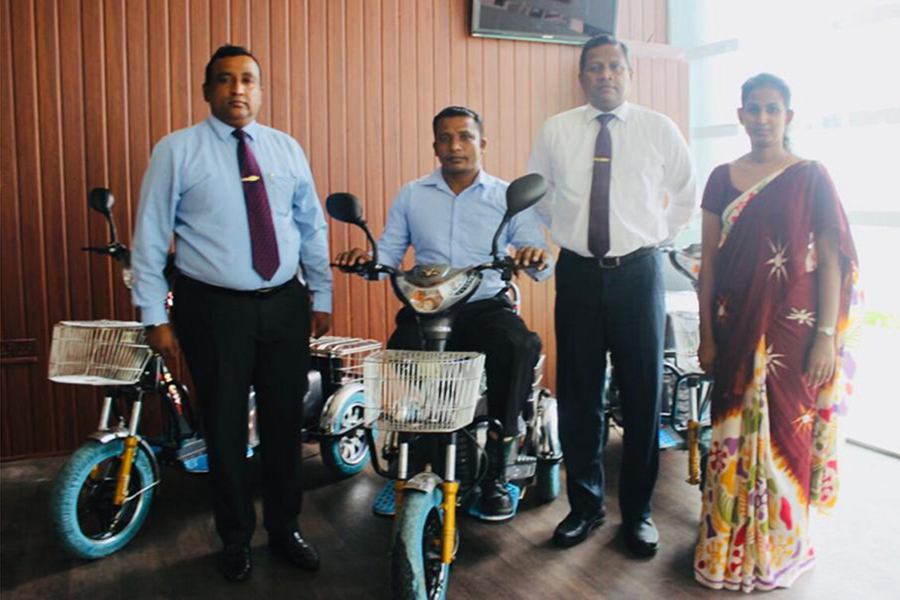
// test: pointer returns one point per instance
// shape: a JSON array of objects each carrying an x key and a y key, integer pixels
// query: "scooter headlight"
[
  {"x": 426, "y": 301},
  {"x": 441, "y": 296}
]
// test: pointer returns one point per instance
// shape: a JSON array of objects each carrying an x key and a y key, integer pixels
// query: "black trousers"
[
  {"x": 233, "y": 340},
  {"x": 622, "y": 311},
  {"x": 511, "y": 352}
]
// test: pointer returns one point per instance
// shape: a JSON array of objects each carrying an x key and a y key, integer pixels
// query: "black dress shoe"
[
  {"x": 235, "y": 563},
  {"x": 296, "y": 550},
  {"x": 575, "y": 528},
  {"x": 642, "y": 537}
]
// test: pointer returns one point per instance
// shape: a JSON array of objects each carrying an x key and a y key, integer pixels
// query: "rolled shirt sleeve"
[
  {"x": 541, "y": 164},
  {"x": 680, "y": 183},
  {"x": 314, "y": 258},
  {"x": 153, "y": 234},
  {"x": 395, "y": 238}
]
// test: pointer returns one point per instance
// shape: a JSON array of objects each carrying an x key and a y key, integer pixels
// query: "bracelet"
[{"x": 829, "y": 331}]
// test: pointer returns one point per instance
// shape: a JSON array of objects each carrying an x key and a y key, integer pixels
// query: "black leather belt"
[
  {"x": 612, "y": 262},
  {"x": 262, "y": 292}
]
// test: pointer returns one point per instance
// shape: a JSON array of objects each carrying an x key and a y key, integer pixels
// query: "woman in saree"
[{"x": 775, "y": 290}]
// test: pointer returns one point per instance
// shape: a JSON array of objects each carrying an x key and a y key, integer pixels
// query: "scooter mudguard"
[{"x": 329, "y": 422}]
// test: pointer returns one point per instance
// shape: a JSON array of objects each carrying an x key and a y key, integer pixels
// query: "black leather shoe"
[
  {"x": 642, "y": 537},
  {"x": 296, "y": 550},
  {"x": 235, "y": 563},
  {"x": 575, "y": 528}
]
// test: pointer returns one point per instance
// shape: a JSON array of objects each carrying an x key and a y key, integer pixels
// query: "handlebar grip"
[{"x": 357, "y": 269}]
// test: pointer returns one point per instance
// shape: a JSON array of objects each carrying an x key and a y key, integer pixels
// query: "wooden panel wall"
[{"x": 88, "y": 86}]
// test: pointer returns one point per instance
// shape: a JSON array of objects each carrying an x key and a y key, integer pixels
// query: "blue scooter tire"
[
  {"x": 74, "y": 485},
  {"x": 416, "y": 574}
]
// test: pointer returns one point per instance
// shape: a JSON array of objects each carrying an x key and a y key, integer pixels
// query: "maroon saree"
[{"x": 772, "y": 450}]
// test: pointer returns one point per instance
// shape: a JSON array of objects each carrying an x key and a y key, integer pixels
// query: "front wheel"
[
  {"x": 82, "y": 511},
  {"x": 348, "y": 453},
  {"x": 417, "y": 571}
]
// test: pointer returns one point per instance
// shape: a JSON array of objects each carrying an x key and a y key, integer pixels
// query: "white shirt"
[{"x": 650, "y": 161}]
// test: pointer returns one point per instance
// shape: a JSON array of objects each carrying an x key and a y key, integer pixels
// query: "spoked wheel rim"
[
  {"x": 434, "y": 567},
  {"x": 98, "y": 517},
  {"x": 352, "y": 445}
]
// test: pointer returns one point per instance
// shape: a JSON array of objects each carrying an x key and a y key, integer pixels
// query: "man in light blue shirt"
[
  {"x": 240, "y": 201},
  {"x": 449, "y": 218}
]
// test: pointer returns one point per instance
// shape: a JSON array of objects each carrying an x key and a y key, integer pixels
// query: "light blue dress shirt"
[
  {"x": 192, "y": 188},
  {"x": 457, "y": 230}
]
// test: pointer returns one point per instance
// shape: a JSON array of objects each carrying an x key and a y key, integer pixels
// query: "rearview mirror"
[
  {"x": 524, "y": 193},
  {"x": 521, "y": 194},
  {"x": 101, "y": 200},
  {"x": 345, "y": 208}
]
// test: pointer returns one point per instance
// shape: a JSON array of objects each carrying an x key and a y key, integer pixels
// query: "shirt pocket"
[{"x": 280, "y": 188}]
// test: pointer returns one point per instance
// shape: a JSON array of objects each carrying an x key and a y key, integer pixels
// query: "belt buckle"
[
  {"x": 616, "y": 260},
  {"x": 263, "y": 291}
]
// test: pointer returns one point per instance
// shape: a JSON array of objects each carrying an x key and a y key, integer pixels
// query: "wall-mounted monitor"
[{"x": 561, "y": 21}]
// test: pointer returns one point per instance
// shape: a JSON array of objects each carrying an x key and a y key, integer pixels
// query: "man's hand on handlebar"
[
  {"x": 530, "y": 256},
  {"x": 163, "y": 340},
  {"x": 352, "y": 258}
]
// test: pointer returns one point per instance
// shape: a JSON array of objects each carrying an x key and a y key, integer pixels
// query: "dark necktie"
[
  {"x": 598, "y": 224},
  {"x": 259, "y": 214}
]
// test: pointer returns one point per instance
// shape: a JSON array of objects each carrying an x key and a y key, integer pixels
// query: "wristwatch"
[{"x": 829, "y": 331}]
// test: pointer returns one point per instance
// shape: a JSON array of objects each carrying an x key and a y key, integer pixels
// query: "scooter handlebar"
[{"x": 370, "y": 270}]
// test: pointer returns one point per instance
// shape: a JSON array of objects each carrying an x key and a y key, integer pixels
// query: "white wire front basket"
[
  {"x": 98, "y": 352},
  {"x": 416, "y": 391}
]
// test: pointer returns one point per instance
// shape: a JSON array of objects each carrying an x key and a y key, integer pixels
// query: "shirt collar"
[
  {"x": 224, "y": 130},
  {"x": 621, "y": 112},
  {"x": 436, "y": 179}
]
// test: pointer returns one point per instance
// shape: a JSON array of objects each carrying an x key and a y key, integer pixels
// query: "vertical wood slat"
[
  {"x": 70, "y": 401},
  {"x": 31, "y": 422},
  {"x": 354, "y": 154},
  {"x": 374, "y": 155},
  {"x": 56, "y": 403},
  {"x": 91, "y": 86},
  {"x": 13, "y": 379}
]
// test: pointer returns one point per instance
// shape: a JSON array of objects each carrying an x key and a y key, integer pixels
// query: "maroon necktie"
[
  {"x": 259, "y": 214},
  {"x": 598, "y": 224}
]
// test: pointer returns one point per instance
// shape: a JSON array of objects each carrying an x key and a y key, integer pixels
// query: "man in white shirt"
[{"x": 621, "y": 182}]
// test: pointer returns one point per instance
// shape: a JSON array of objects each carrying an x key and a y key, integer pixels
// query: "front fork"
[
  {"x": 450, "y": 487},
  {"x": 123, "y": 477}
]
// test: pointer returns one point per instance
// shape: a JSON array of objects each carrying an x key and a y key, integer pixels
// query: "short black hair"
[
  {"x": 224, "y": 52},
  {"x": 457, "y": 111},
  {"x": 602, "y": 40},
  {"x": 768, "y": 80}
]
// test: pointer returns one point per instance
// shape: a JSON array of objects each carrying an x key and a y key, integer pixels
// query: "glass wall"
[{"x": 840, "y": 60}]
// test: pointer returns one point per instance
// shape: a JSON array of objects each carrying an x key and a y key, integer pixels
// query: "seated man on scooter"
[{"x": 449, "y": 217}]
